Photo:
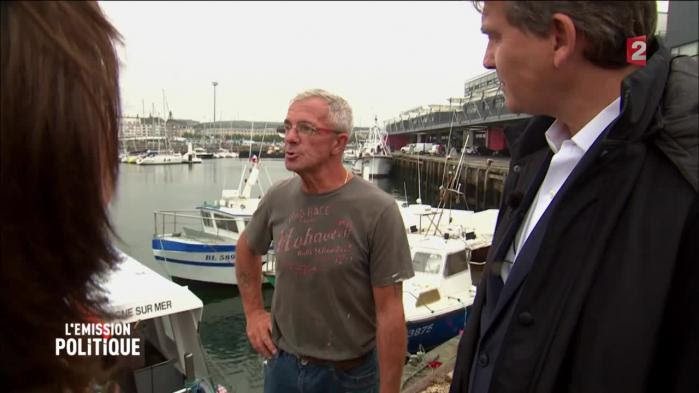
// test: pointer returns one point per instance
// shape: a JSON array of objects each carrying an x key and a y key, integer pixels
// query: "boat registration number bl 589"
[{"x": 220, "y": 257}]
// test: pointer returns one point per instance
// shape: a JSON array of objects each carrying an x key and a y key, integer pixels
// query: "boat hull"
[
  {"x": 373, "y": 166},
  {"x": 196, "y": 261},
  {"x": 435, "y": 330},
  {"x": 160, "y": 160}
]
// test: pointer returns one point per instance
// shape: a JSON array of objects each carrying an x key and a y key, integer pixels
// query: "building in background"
[
  {"x": 682, "y": 35},
  {"x": 477, "y": 120}
]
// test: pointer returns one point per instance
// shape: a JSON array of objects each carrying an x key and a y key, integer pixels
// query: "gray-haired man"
[{"x": 341, "y": 252}]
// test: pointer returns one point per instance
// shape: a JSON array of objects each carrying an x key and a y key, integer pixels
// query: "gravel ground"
[{"x": 439, "y": 385}]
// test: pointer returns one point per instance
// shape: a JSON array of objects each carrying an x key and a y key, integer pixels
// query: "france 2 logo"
[{"x": 636, "y": 50}]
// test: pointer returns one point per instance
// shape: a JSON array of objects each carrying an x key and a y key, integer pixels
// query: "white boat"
[
  {"x": 199, "y": 245},
  {"x": 224, "y": 153},
  {"x": 131, "y": 158},
  {"x": 165, "y": 317},
  {"x": 435, "y": 300},
  {"x": 202, "y": 153},
  {"x": 349, "y": 156},
  {"x": 448, "y": 250},
  {"x": 190, "y": 157},
  {"x": 374, "y": 158},
  {"x": 421, "y": 218},
  {"x": 160, "y": 158}
]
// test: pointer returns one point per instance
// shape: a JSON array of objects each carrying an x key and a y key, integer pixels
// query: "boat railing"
[
  {"x": 269, "y": 268},
  {"x": 191, "y": 223},
  {"x": 164, "y": 219}
]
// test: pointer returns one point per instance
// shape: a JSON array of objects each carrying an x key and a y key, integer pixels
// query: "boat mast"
[{"x": 167, "y": 141}]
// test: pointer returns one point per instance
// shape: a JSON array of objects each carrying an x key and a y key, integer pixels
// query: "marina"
[
  {"x": 445, "y": 164},
  {"x": 143, "y": 190}
]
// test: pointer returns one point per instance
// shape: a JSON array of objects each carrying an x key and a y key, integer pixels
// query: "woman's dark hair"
[
  {"x": 59, "y": 156},
  {"x": 605, "y": 24}
]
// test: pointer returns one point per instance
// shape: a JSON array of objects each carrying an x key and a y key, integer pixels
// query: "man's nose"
[
  {"x": 489, "y": 59},
  {"x": 291, "y": 136}
]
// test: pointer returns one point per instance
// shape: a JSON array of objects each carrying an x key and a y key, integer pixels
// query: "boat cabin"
[{"x": 165, "y": 317}]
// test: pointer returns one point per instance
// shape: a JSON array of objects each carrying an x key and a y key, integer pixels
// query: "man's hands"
[
  {"x": 248, "y": 272},
  {"x": 259, "y": 330}
]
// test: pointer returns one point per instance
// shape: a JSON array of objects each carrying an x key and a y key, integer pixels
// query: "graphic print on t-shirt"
[{"x": 313, "y": 240}]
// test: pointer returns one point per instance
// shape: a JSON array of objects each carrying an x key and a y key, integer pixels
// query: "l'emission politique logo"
[{"x": 98, "y": 339}]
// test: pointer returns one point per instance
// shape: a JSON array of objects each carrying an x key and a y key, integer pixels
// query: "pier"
[{"x": 479, "y": 185}]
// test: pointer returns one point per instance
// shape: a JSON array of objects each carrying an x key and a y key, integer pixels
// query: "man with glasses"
[{"x": 337, "y": 321}]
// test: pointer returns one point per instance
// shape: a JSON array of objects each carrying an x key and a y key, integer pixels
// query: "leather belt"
[{"x": 342, "y": 365}]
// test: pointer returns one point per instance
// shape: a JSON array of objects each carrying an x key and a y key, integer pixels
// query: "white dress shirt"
[{"x": 567, "y": 153}]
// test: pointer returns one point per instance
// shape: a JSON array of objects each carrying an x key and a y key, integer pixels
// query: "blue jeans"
[{"x": 285, "y": 373}]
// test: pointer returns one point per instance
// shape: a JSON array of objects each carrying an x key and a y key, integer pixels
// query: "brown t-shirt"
[{"x": 331, "y": 249}]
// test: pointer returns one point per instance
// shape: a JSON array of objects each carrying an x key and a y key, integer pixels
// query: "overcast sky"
[{"x": 383, "y": 57}]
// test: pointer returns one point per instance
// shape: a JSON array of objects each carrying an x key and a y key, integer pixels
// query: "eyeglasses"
[{"x": 302, "y": 128}]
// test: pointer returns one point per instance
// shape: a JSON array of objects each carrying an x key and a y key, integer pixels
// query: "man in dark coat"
[{"x": 592, "y": 282}]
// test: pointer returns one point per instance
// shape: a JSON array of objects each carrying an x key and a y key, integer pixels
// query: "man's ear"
[
  {"x": 564, "y": 39},
  {"x": 340, "y": 142}
]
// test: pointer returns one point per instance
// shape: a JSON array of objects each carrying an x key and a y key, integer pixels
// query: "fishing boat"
[
  {"x": 449, "y": 249},
  {"x": 436, "y": 299},
  {"x": 199, "y": 245},
  {"x": 374, "y": 157},
  {"x": 349, "y": 156},
  {"x": 165, "y": 318}
]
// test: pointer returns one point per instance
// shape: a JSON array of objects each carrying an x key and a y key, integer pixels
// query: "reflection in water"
[{"x": 231, "y": 360}]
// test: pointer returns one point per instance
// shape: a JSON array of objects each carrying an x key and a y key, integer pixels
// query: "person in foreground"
[
  {"x": 59, "y": 156},
  {"x": 341, "y": 256},
  {"x": 591, "y": 283}
]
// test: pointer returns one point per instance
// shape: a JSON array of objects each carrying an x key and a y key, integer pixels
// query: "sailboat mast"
[{"x": 167, "y": 142}]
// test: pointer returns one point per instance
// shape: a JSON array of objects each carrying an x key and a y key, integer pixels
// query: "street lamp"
[{"x": 215, "y": 84}]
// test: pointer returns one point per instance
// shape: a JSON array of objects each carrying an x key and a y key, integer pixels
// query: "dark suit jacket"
[{"x": 608, "y": 304}]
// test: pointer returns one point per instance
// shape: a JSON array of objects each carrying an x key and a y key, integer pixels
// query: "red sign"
[{"x": 636, "y": 50}]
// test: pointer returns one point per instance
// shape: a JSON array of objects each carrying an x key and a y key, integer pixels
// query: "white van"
[{"x": 422, "y": 148}]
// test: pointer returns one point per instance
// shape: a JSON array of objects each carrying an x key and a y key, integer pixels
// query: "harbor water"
[{"x": 143, "y": 189}]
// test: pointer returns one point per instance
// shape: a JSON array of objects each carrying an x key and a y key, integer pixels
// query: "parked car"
[
  {"x": 437, "y": 149},
  {"x": 418, "y": 148}
]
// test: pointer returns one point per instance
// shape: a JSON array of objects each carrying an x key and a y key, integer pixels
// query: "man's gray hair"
[{"x": 340, "y": 115}]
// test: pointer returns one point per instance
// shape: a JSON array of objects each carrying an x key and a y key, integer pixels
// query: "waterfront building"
[{"x": 480, "y": 116}]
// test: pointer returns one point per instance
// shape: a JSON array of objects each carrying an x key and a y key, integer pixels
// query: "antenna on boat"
[
  {"x": 252, "y": 129},
  {"x": 242, "y": 176},
  {"x": 167, "y": 140},
  {"x": 419, "y": 194},
  {"x": 405, "y": 192},
  {"x": 259, "y": 153}
]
